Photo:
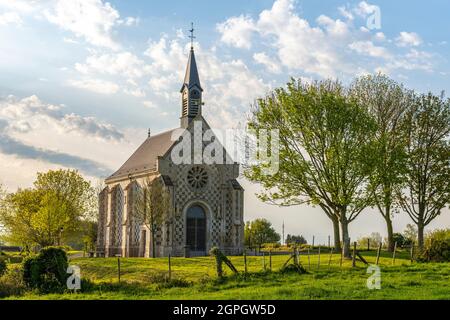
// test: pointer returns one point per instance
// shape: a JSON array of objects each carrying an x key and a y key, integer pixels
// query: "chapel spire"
[{"x": 191, "y": 91}]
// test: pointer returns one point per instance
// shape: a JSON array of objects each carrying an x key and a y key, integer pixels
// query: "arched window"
[{"x": 196, "y": 228}]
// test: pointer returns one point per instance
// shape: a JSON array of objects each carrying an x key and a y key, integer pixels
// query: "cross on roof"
[{"x": 192, "y": 35}]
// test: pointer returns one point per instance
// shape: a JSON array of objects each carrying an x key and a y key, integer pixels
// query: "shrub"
[
  {"x": 11, "y": 283},
  {"x": 437, "y": 247},
  {"x": 274, "y": 245},
  {"x": 46, "y": 271},
  {"x": 3, "y": 265}
]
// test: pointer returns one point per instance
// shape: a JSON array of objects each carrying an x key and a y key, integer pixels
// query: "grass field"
[{"x": 195, "y": 278}]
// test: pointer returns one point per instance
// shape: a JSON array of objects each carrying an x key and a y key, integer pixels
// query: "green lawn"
[{"x": 142, "y": 279}]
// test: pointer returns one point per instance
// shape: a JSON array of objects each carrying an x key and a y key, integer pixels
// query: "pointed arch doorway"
[{"x": 196, "y": 230}]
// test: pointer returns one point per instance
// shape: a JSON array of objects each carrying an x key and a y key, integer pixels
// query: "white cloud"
[
  {"x": 380, "y": 36},
  {"x": 70, "y": 40},
  {"x": 364, "y": 8},
  {"x": 346, "y": 13},
  {"x": 95, "y": 85},
  {"x": 407, "y": 39},
  {"x": 336, "y": 28},
  {"x": 28, "y": 114},
  {"x": 130, "y": 21},
  {"x": 237, "y": 31},
  {"x": 149, "y": 104},
  {"x": 123, "y": 63},
  {"x": 135, "y": 92},
  {"x": 226, "y": 82},
  {"x": 270, "y": 63},
  {"x": 92, "y": 20},
  {"x": 332, "y": 48},
  {"x": 166, "y": 55},
  {"x": 10, "y": 18},
  {"x": 38, "y": 136},
  {"x": 368, "y": 48}
]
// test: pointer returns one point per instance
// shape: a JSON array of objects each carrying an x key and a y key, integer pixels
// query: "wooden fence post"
[
  {"x": 309, "y": 261},
  {"x": 378, "y": 253},
  {"x": 329, "y": 260},
  {"x": 118, "y": 267},
  {"x": 313, "y": 242},
  {"x": 412, "y": 252},
  {"x": 264, "y": 261},
  {"x": 354, "y": 255},
  {"x": 296, "y": 262},
  {"x": 393, "y": 254},
  {"x": 270, "y": 260},
  {"x": 329, "y": 242},
  {"x": 170, "y": 268},
  {"x": 245, "y": 261},
  {"x": 368, "y": 244},
  {"x": 318, "y": 261}
]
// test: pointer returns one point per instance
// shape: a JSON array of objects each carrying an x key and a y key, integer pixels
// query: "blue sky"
[{"x": 81, "y": 81}]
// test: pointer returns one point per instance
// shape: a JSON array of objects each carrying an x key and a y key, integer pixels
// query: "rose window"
[{"x": 197, "y": 177}]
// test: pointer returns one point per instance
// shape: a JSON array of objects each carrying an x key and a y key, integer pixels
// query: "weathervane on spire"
[{"x": 192, "y": 35}]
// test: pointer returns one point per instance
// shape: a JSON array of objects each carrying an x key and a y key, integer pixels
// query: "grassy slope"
[{"x": 402, "y": 281}]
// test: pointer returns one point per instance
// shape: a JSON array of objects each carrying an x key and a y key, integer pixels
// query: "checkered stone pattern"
[
  {"x": 179, "y": 232},
  {"x": 229, "y": 219},
  {"x": 135, "y": 225},
  {"x": 102, "y": 214},
  {"x": 217, "y": 196},
  {"x": 118, "y": 217}
]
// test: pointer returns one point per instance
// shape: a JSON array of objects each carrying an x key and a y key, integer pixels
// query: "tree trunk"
[
  {"x": 337, "y": 235},
  {"x": 420, "y": 232},
  {"x": 153, "y": 245},
  {"x": 390, "y": 233},
  {"x": 345, "y": 237}
]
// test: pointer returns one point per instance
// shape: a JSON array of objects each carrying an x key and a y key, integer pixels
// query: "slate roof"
[
  {"x": 146, "y": 156},
  {"x": 191, "y": 78}
]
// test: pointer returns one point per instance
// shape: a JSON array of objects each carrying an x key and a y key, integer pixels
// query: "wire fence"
[{"x": 313, "y": 259}]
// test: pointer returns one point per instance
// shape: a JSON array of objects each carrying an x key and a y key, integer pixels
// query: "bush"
[
  {"x": 11, "y": 283},
  {"x": 47, "y": 271},
  {"x": 437, "y": 247},
  {"x": 3, "y": 265}
]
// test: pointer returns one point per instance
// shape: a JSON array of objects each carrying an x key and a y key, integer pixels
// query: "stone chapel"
[{"x": 206, "y": 199}]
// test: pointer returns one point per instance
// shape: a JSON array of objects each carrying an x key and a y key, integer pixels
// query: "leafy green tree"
[
  {"x": 410, "y": 233},
  {"x": 374, "y": 240},
  {"x": 400, "y": 239},
  {"x": 427, "y": 188},
  {"x": 258, "y": 232},
  {"x": 45, "y": 214},
  {"x": 69, "y": 186},
  {"x": 292, "y": 239},
  {"x": 152, "y": 205},
  {"x": 325, "y": 140},
  {"x": 387, "y": 102}
]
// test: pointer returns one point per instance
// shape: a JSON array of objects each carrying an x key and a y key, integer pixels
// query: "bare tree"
[{"x": 151, "y": 207}]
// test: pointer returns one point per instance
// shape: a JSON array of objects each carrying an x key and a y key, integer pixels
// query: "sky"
[{"x": 82, "y": 81}]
